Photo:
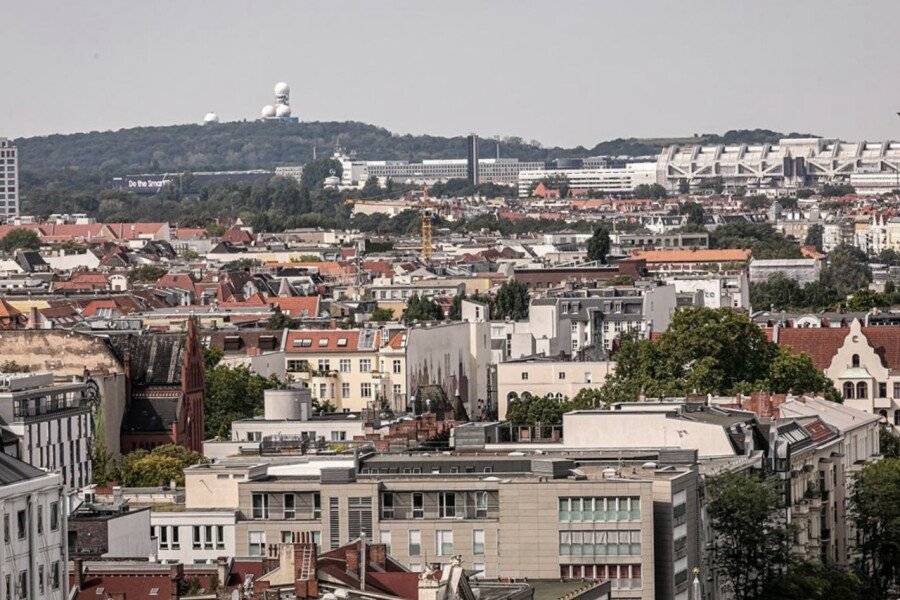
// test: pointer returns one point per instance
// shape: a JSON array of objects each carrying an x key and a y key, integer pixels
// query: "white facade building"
[
  {"x": 194, "y": 536},
  {"x": 603, "y": 181},
  {"x": 33, "y": 550},
  {"x": 9, "y": 180},
  {"x": 51, "y": 423}
]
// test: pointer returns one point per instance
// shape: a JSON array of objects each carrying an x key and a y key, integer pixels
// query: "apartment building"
[
  {"x": 9, "y": 180},
  {"x": 632, "y": 523},
  {"x": 542, "y": 376},
  {"x": 353, "y": 369},
  {"x": 48, "y": 425},
  {"x": 33, "y": 549}
]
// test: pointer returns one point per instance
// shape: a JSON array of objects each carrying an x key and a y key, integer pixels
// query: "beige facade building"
[
  {"x": 632, "y": 523},
  {"x": 539, "y": 377}
]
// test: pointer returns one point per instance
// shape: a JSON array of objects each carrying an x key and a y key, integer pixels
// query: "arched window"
[
  {"x": 848, "y": 391},
  {"x": 855, "y": 360},
  {"x": 862, "y": 390},
  {"x": 512, "y": 396}
]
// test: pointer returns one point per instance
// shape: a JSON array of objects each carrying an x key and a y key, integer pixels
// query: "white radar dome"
[
  {"x": 282, "y": 110},
  {"x": 282, "y": 89},
  {"x": 268, "y": 111},
  {"x": 211, "y": 117}
]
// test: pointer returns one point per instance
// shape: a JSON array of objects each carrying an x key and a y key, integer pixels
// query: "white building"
[
  {"x": 193, "y": 536},
  {"x": 51, "y": 424},
  {"x": 9, "y": 180},
  {"x": 603, "y": 181},
  {"x": 33, "y": 552}
]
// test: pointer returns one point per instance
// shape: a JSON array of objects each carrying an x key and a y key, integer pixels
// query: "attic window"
[
  {"x": 267, "y": 342},
  {"x": 323, "y": 342},
  {"x": 154, "y": 591},
  {"x": 303, "y": 343},
  {"x": 342, "y": 342},
  {"x": 100, "y": 591},
  {"x": 232, "y": 342}
]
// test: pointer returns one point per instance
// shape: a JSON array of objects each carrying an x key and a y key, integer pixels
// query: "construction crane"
[{"x": 425, "y": 215}]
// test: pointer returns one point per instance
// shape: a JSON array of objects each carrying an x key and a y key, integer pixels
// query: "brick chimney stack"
[{"x": 352, "y": 559}]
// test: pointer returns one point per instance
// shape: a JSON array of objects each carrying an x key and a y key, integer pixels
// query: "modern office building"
[
  {"x": 621, "y": 180},
  {"x": 33, "y": 549},
  {"x": 9, "y": 180},
  {"x": 48, "y": 424},
  {"x": 626, "y": 520},
  {"x": 472, "y": 159}
]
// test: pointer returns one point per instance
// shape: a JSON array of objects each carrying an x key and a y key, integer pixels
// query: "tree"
[
  {"x": 212, "y": 357},
  {"x": 370, "y": 189},
  {"x": 233, "y": 393},
  {"x": 866, "y": 299},
  {"x": 795, "y": 373},
  {"x": 279, "y": 320},
  {"x": 760, "y": 238},
  {"x": 875, "y": 509},
  {"x": 455, "y": 313},
  {"x": 422, "y": 309},
  {"x": 587, "y": 398},
  {"x": 751, "y": 545},
  {"x": 512, "y": 301},
  {"x": 833, "y": 190},
  {"x": 813, "y": 581},
  {"x": 889, "y": 257},
  {"x": 160, "y": 466},
  {"x": 536, "y": 410},
  {"x": 382, "y": 314},
  {"x": 146, "y": 274},
  {"x": 847, "y": 271},
  {"x": 653, "y": 191},
  {"x": 598, "y": 244},
  {"x": 694, "y": 211},
  {"x": 814, "y": 236},
  {"x": 24, "y": 239},
  {"x": 889, "y": 442}
]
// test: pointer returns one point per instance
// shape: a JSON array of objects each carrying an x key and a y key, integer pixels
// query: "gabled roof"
[
  {"x": 309, "y": 341},
  {"x": 297, "y": 306},
  {"x": 822, "y": 343}
]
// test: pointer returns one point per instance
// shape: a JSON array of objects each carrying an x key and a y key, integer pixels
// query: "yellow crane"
[{"x": 425, "y": 215}]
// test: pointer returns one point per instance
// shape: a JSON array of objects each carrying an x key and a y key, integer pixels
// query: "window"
[
  {"x": 447, "y": 504},
  {"x": 345, "y": 390},
  {"x": 41, "y": 579},
  {"x": 848, "y": 391},
  {"x": 260, "y": 506},
  {"x": 365, "y": 390},
  {"x": 418, "y": 505},
  {"x": 365, "y": 365},
  {"x": 162, "y": 534},
  {"x": 289, "y": 510},
  {"x": 324, "y": 364},
  {"x": 882, "y": 389},
  {"x": 208, "y": 537},
  {"x": 54, "y": 516},
  {"x": 39, "y": 510},
  {"x": 862, "y": 390},
  {"x": 287, "y": 537},
  {"x": 600, "y": 509},
  {"x": 174, "y": 542},
  {"x": 443, "y": 542},
  {"x": 397, "y": 365},
  {"x": 481, "y": 503},
  {"x": 524, "y": 375},
  {"x": 220, "y": 537},
  {"x": 385, "y": 537},
  {"x": 478, "y": 542},
  {"x": 387, "y": 505},
  {"x": 22, "y": 585},
  {"x": 22, "y": 524},
  {"x": 338, "y": 436},
  {"x": 9, "y": 590},
  {"x": 561, "y": 375},
  {"x": 257, "y": 542},
  {"x": 323, "y": 342},
  {"x": 415, "y": 542},
  {"x": 196, "y": 541},
  {"x": 345, "y": 365},
  {"x": 897, "y": 390},
  {"x": 317, "y": 506},
  {"x": 6, "y": 528},
  {"x": 854, "y": 360}
]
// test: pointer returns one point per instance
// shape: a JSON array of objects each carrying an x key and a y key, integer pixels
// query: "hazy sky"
[{"x": 563, "y": 73}]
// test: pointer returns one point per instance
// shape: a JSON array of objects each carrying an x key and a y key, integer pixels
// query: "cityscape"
[{"x": 358, "y": 345}]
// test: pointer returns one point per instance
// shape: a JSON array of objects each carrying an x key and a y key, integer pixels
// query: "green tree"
[
  {"x": 847, "y": 271},
  {"x": 814, "y": 236},
  {"x": 146, "y": 274},
  {"x": 889, "y": 441},
  {"x": 20, "y": 239},
  {"x": 889, "y": 257},
  {"x": 795, "y": 373},
  {"x": 875, "y": 509},
  {"x": 751, "y": 545},
  {"x": 315, "y": 172},
  {"x": 695, "y": 213},
  {"x": 598, "y": 244},
  {"x": 382, "y": 314},
  {"x": 814, "y": 581},
  {"x": 455, "y": 313},
  {"x": 866, "y": 299},
  {"x": 160, "y": 466},
  {"x": 587, "y": 398},
  {"x": 652, "y": 191},
  {"x": 212, "y": 357},
  {"x": 512, "y": 301},
  {"x": 422, "y": 309},
  {"x": 370, "y": 189},
  {"x": 233, "y": 393}
]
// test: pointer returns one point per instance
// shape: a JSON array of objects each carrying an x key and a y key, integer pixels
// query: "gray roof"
[{"x": 13, "y": 470}]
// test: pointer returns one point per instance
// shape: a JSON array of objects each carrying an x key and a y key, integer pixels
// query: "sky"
[{"x": 560, "y": 72}]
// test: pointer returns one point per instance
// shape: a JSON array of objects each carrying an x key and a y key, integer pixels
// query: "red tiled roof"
[
  {"x": 131, "y": 231},
  {"x": 297, "y": 306},
  {"x": 181, "y": 281},
  {"x": 325, "y": 341},
  {"x": 822, "y": 343}
]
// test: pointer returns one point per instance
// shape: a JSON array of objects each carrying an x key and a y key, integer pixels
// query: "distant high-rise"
[
  {"x": 9, "y": 180},
  {"x": 472, "y": 159}
]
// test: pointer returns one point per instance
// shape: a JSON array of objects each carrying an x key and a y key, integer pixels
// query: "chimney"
[
  {"x": 78, "y": 568},
  {"x": 378, "y": 555},
  {"x": 352, "y": 560},
  {"x": 222, "y": 570},
  {"x": 306, "y": 584}
]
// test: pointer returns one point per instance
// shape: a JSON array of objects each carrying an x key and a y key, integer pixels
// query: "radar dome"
[
  {"x": 211, "y": 117},
  {"x": 268, "y": 111},
  {"x": 282, "y": 89},
  {"x": 282, "y": 110}
]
